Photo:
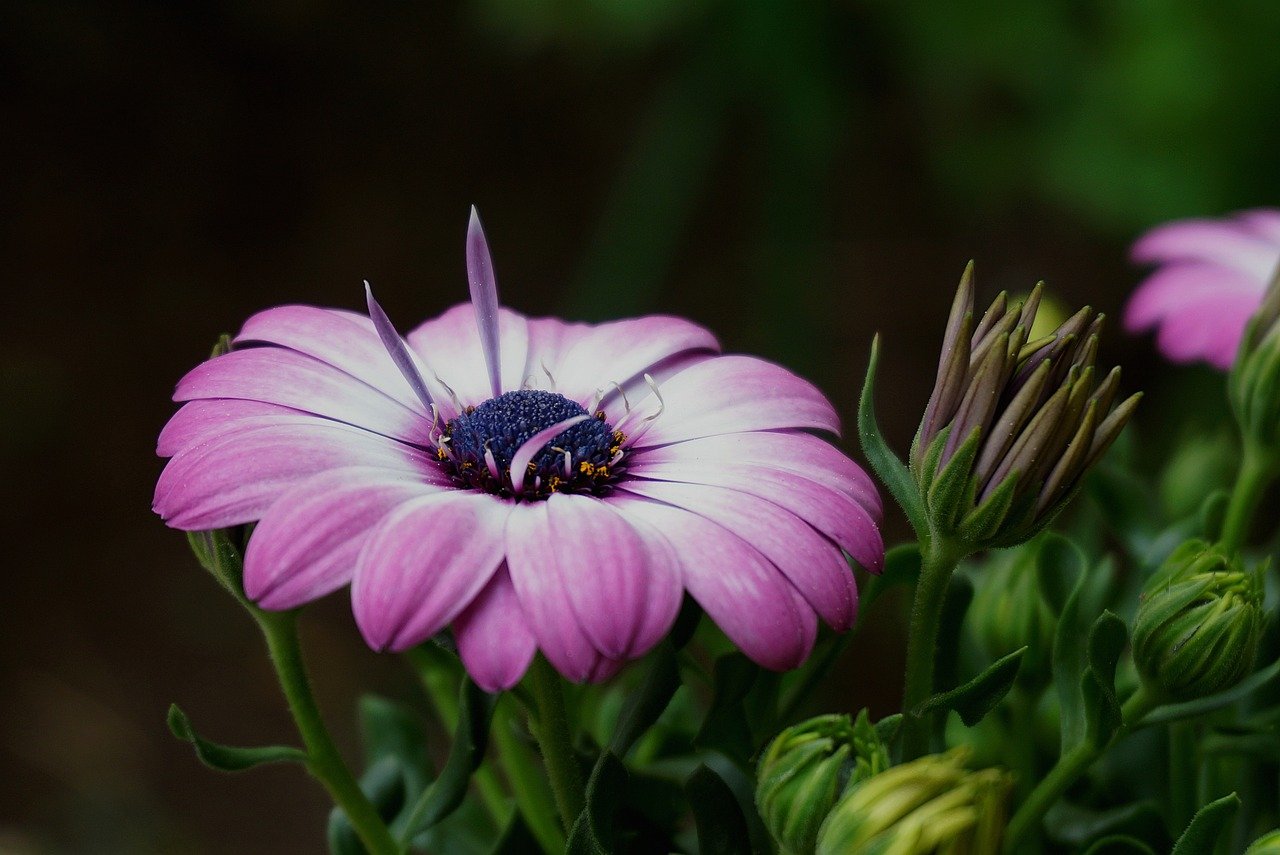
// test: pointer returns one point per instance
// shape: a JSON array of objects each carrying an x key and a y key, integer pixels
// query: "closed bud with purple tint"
[{"x": 1013, "y": 424}]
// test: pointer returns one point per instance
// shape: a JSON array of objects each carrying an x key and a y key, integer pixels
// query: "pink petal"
[
  {"x": 534, "y": 557},
  {"x": 494, "y": 639},
  {"x": 1173, "y": 287},
  {"x": 815, "y": 566},
  {"x": 424, "y": 564},
  {"x": 833, "y": 513},
  {"x": 795, "y": 452},
  {"x": 622, "y": 351},
  {"x": 345, "y": 340},
  {"x": 201, "y": 421},
  {"x": 306, "y": 545},
  {"x": 730, "y": 394},
  {"x": 234, "y": 478},
  {"x": 450, "y": 348},
  {"x": 737, "y": 586},
  {"x": 549, "y": 339},
  {"x": 1264, "y": 222},
  {"x": 1221, "y": 242},
  {"x": 279, "y": 376},
  {"x": 1209, "y": 329}
]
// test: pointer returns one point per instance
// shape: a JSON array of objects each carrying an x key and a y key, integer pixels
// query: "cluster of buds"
[
  {"x": 929, "y": 805},
  {"x": 1012, "y": 425},
  {"x": 1199, "y": 625},
  {"x": 1254, "y": 386},
  {"x": 806, "y": 768}
]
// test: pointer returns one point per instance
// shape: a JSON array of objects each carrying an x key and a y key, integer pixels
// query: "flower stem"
[
  {"x": 939, "y": 561},
  {"x": 555, "y": 741},
  {"x": 1257, "y": 470},
  {"x": 324, "y": 762},
  {"x": 1067, "y": 771},
  {"x": 533, "y": 796}
]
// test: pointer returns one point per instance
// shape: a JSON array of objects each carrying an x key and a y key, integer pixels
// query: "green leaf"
[
  {"x": 1262, "y": 747},
  {"x": 726, "y": 727},
  {"x": 892, "y": 471},
  {"x": 1207, "y": 826},
  {"x": 1107, "y": 639},
  {"x": 389, "y": 728},
  {"x": 516, "y": 838},
  {"x": 952, "y": 488},
  {"x": 1213, "y": 513},
  {"x": 219, "y": 553},
  {"x": 594, "y": 832},
  {"x": 980, "y": 695},
  {"x": 722, "y": 828},
  {"x": 982, "y": 523},
  {"x": 1076, "y": 826},
  {"x": 1191, "y": 709},
  {"x": 1068, "y": 652},
  {"x": 470, "y": 738},
  {"x": 646, "y": 704},
  {"x": 226, "y": 758},
  {"x": 887, "y": 728},
  {"x": 1059, "y": 567},
  {"x": 950, "y": 625},
  {"x": 1119, "y": 844}
]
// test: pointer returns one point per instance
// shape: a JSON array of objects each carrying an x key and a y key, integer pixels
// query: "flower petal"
[
  {"x": 815, "y": 566},
  {"x": 345, "y": 340},
  {"x": 484, "y": 299},
  {"x": 621, "y": 351},
  {"x": 307, "y": 542},
  {"x": 291, "y": 379},
  {"x": 451, "y": 349},
  {"x": 792, "y": 451},
  {"x": 494, "y": 638},
  {"x": 234, "y": 478},
  {"x": 424, "y": 564},
  {"x": 202, "y": 420},
  {"x": 741, "y": 590},
  {"x": 729, "y": 394},
  {"x": 832, "y": 512},
  {"x": 1223, "y": 242}
]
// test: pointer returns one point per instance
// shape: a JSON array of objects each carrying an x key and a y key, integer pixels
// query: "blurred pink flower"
[
  {"x": 647, "y": 465},
  {"x": 1210, "y": 279}
]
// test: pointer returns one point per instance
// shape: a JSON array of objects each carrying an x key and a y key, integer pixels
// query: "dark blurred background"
[{"x": 796, "y": 176}]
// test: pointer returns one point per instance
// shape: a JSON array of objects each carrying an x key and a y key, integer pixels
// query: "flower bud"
[
  {"x": 806, "y": 768},
  {"x": 1012, "y": 425},
  {"x": 1008, "y": 612},
  {"x": 928, "y": 805},
  {"x": 1254, "y": 385},
  {"x": 1267, "y": 844},
  {"x": 1199, "y": 624}
]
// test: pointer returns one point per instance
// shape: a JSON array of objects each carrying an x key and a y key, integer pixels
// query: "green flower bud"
[
  {"x": 1008, "y": 612},
  {"x": 1199, "y": 624},
  {"x": 1267, "y": 844},
  {"x": 1013, "y": 424},
  {"x": 806, "y": 768},
  {"x": 927, "y": 806},
  {"x": 1254, "y": 385}
]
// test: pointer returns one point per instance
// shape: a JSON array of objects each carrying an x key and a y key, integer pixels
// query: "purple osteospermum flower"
[
  {"x": 1211, "y": 278},
  {"x": 646, "y": 465}
]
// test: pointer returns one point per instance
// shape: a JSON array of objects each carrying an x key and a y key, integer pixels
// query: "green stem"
[
  {"x": 1069, "y": 768},
  {"x": 555, "y": 741},
  {"x": 940, "y": 558},
  {"x": 1257, "y": 470},
  {"x": 1183, "y": 775},
  {"x": 324, "y": 762}
]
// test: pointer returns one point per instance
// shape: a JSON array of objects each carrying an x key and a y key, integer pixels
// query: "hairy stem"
[
  {"x": 324, "y": 762},
  {"x": 555, "y": 741},
  {"x": 940, "y": 558},
  {"x": 1257, "y": 470}
]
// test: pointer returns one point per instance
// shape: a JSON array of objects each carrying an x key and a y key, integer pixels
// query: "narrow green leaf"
[
  {"x": 722, "y": 828},
  {"x": 226, "y": 758},
  {"x": 725, "y": 727},
  {"x": 470, "y": 739},
  {"x": 388, "y": 728},
  {"x": 1191, "y": 709},
  {"x": 1119, "y": 844},
  {"x": 980, "y": 695},
  {"x": 219, "y": 554},
  {"x": 645, "y": 705},
  {"x": 594, "y": 832},
  {"x": 1059, "y": 566},
  {"x": 1068, "y": 652},
  {"x": 952, "y": 488},
  {"x": 950, "y": 625},
  {"x": 892, "y": 471},
  {"x": 1207, "y": 826},
  {"x": 1107, "y": 639},
  {"x": 901, "y": 568}
]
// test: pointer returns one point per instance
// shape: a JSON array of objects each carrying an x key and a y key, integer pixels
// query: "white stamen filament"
[
  {"x": 491, "y": 462},
  {"x": 547, "y": 371},
  {"x": 623, "y": 392},
  {"x": 662, "y": 405}
]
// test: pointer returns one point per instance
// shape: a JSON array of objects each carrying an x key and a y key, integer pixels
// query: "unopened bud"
[
  {"x": 1267, "y": 844},
  {"x": 806, "y": 768},
  {"x": 1199, "y": 625},
  {"x": 1254, "y": 385},
  {"x": 1013, "y": 424},
  {"x": 929, "y": 805}
]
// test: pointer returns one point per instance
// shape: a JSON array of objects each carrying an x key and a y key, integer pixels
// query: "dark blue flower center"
[{"x": 581, "y": 458}]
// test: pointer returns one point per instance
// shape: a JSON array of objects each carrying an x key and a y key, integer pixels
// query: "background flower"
[
  {"x": 1210, "y": 279},
  {"x": 534, "y": 484}
]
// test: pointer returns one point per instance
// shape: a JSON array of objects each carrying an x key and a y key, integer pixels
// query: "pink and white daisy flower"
[
  {"x": 1211, "y": 278},
  {"x": 531, "y": 483}
]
